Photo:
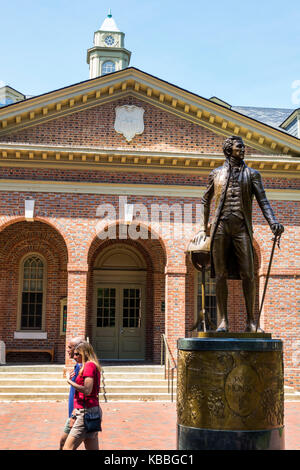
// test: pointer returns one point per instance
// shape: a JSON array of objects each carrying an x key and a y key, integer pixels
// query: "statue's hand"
[
  {"x": 201, "y": 236},
  {"x": 277, "y": 229}
]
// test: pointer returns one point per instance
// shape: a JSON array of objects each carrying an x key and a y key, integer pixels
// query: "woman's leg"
[
  {"x": 92, "y": 443},
  {"x": 77, "y": 434},
  {"x": 72, "y": 443},
  {"x": 62, "y": 440}
]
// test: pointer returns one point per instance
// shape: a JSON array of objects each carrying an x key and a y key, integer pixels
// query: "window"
[
  {"x": 106, "y": 308},
  {"x": 210, "y": 298},
  {"x": 6, "y": 101},
  {"x": 32, "y": 293},
  {"x": 131, "y": 308},
  {"x": 108, "y": 67},
  {"x": 63, "y": 316}
]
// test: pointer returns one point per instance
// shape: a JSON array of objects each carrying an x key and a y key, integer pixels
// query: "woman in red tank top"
[{"x": 87, "y": 387}]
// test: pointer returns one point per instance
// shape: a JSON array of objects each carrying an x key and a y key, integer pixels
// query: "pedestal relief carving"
[{"x": 230, "y": 390}]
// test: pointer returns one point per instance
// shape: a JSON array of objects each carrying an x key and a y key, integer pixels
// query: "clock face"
[{"x": 109, "y": 40}]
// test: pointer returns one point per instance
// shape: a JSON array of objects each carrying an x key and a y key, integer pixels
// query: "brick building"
[{"x": 95, "y": 223}]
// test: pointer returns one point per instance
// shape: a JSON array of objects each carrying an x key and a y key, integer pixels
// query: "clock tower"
[{"x": 108, "y": 53}]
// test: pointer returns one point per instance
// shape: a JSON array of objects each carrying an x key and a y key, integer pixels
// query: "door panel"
[
  {"x": 106, "y": 318},
  {"x": 119, "y": 328},
  {"x": 131, "y": 334}
]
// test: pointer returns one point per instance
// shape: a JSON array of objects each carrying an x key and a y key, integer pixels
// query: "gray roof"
[{"x": 271, "y": 116}]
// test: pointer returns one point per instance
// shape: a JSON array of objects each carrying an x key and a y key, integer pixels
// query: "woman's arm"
[{"x": 86, "y": 389}]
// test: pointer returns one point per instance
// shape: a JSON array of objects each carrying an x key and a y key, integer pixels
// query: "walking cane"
[
  {"x": 276, "y": 239},
  {"x": 201, "y": 314},
  {"x": 203, "y": 297}
]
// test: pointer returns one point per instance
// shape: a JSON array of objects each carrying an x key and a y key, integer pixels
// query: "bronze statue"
[{"x": 231, "y": 250}]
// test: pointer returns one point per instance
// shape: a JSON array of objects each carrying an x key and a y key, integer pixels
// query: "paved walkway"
[{"x": 126, "y": 426}]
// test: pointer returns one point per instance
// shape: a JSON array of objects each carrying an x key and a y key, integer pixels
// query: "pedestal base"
[
  {"x": 206, "y": 439},
  {"x": 230, "y": 393}
]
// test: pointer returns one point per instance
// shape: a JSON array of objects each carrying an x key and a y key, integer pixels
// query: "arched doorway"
[
  {"x": 33, "y": 283},
  {"x": 119, "y": 303}
]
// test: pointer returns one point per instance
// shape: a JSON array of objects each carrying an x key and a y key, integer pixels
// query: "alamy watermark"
[{"x": 139, "y": 221}]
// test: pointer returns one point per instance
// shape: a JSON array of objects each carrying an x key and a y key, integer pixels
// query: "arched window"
[
  {"x": 210, "y": 297},
  {"x": 33, "y": 272},
  {"x": 108, "y": 67}
]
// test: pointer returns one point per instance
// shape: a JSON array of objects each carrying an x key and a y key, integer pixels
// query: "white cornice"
[{"x": 126, "y": 189}]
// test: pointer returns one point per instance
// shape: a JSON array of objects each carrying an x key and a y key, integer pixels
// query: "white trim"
[
  {"x": 125, "y": 189},
  {"x": 2, "y": 353},
  {"x": 273, "y": 158},
  {"x": 30, "y": 335}
]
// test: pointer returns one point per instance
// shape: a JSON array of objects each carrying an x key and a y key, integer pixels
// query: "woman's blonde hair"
[{"x": 88, "y": 354}]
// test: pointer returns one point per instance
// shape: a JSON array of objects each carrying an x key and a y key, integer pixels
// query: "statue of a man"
[{"x": 233, "y": 185}]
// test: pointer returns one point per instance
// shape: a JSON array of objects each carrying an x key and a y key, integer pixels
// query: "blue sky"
[{"x": 246, "y": 53}]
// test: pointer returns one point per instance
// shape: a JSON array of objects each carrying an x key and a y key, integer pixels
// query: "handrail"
[
  {"x": 167, "y": 359},
  {"x": 103, "y": 385}
]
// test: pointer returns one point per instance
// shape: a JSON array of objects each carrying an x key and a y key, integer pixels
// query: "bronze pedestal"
[{"x": 230, "y": 393}]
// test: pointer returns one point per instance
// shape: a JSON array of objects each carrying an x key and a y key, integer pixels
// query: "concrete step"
[
  {"x": 34, "y": 379},
  {"x": 131, "y": 376},
  {"x": 59, "y": 396},
  {"x": 38, "y": 368},
  {"x": 64, "y": 389},
  {"x": 135, "y": 389},
  {"x": 136, "y": 382},
  {"x": 292, "y": 396},
  {"x": 59, "y": 375},
  {"x": 19, "y": 396},
  {"x": 137, "y": 369},
  {"x": 110, "y": 397},
  {"x": 28, "y": 375},
  {"x": 35, "y": 389},
  {"x": 38, "y": 381}
]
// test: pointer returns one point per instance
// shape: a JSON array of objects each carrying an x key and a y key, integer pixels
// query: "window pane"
[
  {"x": 131, "y": 308},
  {"x": 108, "y": 67},
  {"x": 106, "y": 312},
  {"x": 210, "y": 298},
  {"x": 32, "y": 295},
  {"x": 64, "y": 325}
]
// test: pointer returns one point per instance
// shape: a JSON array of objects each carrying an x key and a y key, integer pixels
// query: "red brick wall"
[
  {"x": 16, "y": 241},
  {"x": 94, "y": 127},
  {"x": 75, "y": 221}
]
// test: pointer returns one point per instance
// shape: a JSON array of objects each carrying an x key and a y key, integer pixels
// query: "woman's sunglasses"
[{"x": 76, "y": 354}]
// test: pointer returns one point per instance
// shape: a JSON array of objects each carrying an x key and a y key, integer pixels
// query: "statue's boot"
[
  {"x": 223, "y": 327},
  {"x": 251, "y": 327}
]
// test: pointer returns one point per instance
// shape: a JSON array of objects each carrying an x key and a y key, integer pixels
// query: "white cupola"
[{"x": 108, "y": 53}]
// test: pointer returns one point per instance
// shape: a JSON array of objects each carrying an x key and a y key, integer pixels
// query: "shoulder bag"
[{"x": 92, "y": 418}]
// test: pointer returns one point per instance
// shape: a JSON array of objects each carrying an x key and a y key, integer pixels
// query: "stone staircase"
[
  {"x": 290, "y": 394},
  {"x": 25, "y": 382},
  {"x": 120, "y": 382},
  {"x": 138, "y": 382}
]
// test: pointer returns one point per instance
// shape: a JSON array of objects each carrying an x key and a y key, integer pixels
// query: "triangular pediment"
[{"x": 194, "y": 108}]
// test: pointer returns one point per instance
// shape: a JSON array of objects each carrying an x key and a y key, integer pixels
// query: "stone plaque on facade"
[
  {"x": 2, "y": 353},
  {"x": 129, "y": 121}
]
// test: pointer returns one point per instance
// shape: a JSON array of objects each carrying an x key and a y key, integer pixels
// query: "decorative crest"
[{"x": 129, "y": 121}]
